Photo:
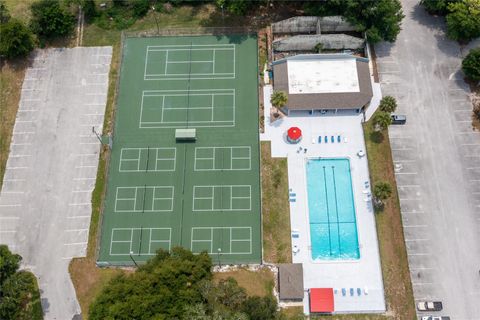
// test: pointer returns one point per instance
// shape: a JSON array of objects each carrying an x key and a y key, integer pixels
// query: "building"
[
  {"x": 290, "y": 282},
  {"x": 324, "y": 82}
]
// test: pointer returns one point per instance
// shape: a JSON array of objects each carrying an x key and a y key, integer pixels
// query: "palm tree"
[
  {"x": 388, "y": 104},
  {"x": 279, "y": 99},
  {"x": 381, "y": 192},
  {"x": 381, "y": 120}
]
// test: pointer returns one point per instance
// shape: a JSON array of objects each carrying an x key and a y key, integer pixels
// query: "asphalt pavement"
[
  {"x": 45, "y": 202},
  {"x": 436, "y": 156}
]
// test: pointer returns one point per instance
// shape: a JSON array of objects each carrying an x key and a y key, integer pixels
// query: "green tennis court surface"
[{"x": 202, "y": 195}]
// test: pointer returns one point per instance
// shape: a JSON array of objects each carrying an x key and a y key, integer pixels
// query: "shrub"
[
  {"x": 4, "y": 14},
  {"x": 436, "y": 6},
  {"x": 16, "y": 39},
  {"x": 49, "y": 20},
  {"x": 382, "y": 191},
  {"x": 471, "y": 65},
  {"x": 140, "y": 8}
]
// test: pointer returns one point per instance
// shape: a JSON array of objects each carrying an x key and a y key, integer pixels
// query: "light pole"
[
  {"x": 131, "y": 252},
  {"x": 219, "y": 252}
]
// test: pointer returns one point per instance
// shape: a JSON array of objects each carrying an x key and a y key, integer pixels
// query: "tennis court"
[{"x": 202, "y": 194}]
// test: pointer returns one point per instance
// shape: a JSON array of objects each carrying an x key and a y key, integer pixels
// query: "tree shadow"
[{"x": 377, "y": 136}]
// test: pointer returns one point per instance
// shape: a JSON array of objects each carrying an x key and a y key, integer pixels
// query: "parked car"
[
  {"x": 399, "y": 119},
  {"x": 435, "y": 318},
  {"x": 429, "y": 306}
]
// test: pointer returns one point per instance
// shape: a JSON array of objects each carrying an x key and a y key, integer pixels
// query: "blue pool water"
[{"x": 333, "y": 226}]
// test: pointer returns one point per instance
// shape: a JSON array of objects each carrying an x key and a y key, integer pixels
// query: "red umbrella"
[{"x": 294, "y": 134}]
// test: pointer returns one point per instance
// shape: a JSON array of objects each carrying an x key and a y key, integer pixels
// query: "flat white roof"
[{"x": 322, "y": 76}]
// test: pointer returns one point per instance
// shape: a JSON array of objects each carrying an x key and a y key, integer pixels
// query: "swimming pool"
[{"x": 333, "y": 225}]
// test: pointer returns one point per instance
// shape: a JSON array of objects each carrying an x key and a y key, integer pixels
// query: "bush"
[
  {"x": 89, "y": 9},
  {"x": 388, "y": 104},
  {"x": 49, "y": 20},
  {"x": 16, "y": 39},
  {"x": 463, "y": 21},
  {"x": 471, "y": 65},
  {"x": 140, "y": 8},
  {"x": 4, "y": 14}
]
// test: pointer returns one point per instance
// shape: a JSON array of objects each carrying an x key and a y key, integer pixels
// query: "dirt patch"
[{"x": 256, "y": 283}]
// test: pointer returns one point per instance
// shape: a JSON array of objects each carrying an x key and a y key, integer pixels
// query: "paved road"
[
  {"x": 45, "y": 202},
  {"x": 436, "y": 156}
]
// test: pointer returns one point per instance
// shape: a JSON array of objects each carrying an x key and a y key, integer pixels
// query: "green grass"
[
  {"x": 277, "y": 246},
  {"x": 393, "y": 254}
]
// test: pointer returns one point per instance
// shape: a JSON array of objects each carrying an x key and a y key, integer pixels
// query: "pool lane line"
[
  {"x": 336, "y": 209},
  {"x": 328, "y": 216}
]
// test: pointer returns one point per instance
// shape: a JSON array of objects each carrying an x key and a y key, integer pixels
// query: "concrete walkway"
[{"x": 364, "y": 273}]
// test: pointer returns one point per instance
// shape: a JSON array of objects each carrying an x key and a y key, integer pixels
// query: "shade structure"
[
  {"x": 294, "y": 135},
  {"x": 321, "y": 300}
]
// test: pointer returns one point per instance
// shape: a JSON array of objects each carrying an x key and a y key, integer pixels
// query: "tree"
[
  {"x": 382, "y": 190},
  {"x": 436, "y": 6},
  {"x": 4, "y": 14},
  {"x": 49, "y": 20},
  {"x": 19, "y": 295},
  {"x": 237, "y": 7},
  {"x": 471, "y": 65},
  {"x": 16, "y": 39},
  {"x": 89, "y": 9},
  {"x": 279, "y": 99},
  {"x": 260, "y": 308},
  {"x": 160, "y": 289},
  {"x": 140, "y": 8},
  {"x": 388, "y": 104},
  {"x": 381, "y": 120},
  {"x": 463, "y": 21},
  {"x": 379, "y": 19},
  {"x": 9, "y": 263}
]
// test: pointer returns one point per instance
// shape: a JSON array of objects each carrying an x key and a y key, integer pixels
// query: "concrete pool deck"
[{"x": 365, "y": 273}]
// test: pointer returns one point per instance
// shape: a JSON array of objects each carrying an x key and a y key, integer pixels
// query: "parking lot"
[
  {"x": 45, "y": 202},
  {"x": 436, "y": 157}
]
